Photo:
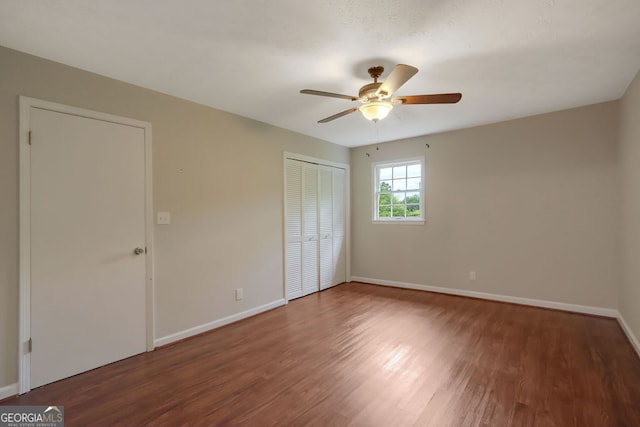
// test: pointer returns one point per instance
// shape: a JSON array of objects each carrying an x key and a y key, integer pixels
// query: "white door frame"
[
  {"x": 24, "y": 334},
  {"x": 347, "y": 210}
]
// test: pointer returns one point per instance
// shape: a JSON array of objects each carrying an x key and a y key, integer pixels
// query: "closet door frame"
[{"x": 347, "y": 209}]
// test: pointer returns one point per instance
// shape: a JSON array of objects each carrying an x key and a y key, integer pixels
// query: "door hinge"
[
  {"x": 29, "y": 137},
  {"x": 30, "y": 345}
]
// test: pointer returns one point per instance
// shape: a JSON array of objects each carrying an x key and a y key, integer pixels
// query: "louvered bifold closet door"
[
  {"x": 309, "y": 229},
  {"x": 293, "y": 230},
  {"x": 315, "y": 228},
  {"x": 339, "y": 205},
  {"x": 325, "y": 221}
]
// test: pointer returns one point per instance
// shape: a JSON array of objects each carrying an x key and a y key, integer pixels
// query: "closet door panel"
[
  {"x": 310, "y": 279},
  {"x": 326, "y": 263},
  {"x": 293, "y": 230},
  {"x": 310, "y": 201},
  {"x": 325, "y": 218},
  {"x": 325, "y": 201},
  {"x": 310, "y": 267},
  {"x": 315, "y": 242},
  {"x": 293, "y": 279}
]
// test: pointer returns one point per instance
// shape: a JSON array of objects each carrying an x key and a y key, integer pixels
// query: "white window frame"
[{"x": 375, "y": 186}]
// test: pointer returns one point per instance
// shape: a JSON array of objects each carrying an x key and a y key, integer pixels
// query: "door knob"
[{"x": 138, "y": 251}]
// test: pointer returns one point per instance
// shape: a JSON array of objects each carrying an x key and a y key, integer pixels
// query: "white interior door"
[
  {"x": 88, "y": 293},
  {"x": 310, "y": 229},
  {"x": 325, "y": 221},
  {"x": 315, "y": 227},
  {"x": 293, "y": 230}
]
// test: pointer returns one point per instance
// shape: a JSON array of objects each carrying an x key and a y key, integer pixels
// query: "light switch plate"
[{"x": 164, "y": 218}]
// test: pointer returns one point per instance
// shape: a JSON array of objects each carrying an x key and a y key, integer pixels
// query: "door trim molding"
[{"x": 24, "y": 189}]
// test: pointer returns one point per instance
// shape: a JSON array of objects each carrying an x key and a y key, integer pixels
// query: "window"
[{"x": 398, "y": 191}]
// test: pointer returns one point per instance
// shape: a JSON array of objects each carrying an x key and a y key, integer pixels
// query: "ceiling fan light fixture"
[
  {"x": 376, "y": 110},
  {"x": 376, "y": 97}
]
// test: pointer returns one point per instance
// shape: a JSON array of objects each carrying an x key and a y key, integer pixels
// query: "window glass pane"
[
  {"x": 397, "y": 211},
  {"x": 385, "y": 173},
  {"x": 413, "y": 184},
  {"x": 399, "y": 184},
  {"x": 413, "y": 210},
  {"x": 399, "y": 172},
  {"x": 385, "y": 186},
  {"x": 384, "y": 199},
  {"x": 398, "y": 198},
  {"x": 384, "y": 212},
  {"x": 414, "y": 170},
  {"x": 413, "y": 198}
]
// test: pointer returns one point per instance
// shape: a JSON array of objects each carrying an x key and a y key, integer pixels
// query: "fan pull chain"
[{"x": 376, "y": 139}]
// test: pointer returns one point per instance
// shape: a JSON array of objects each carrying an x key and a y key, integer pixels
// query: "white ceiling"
[{"x": 509, "y": 58}]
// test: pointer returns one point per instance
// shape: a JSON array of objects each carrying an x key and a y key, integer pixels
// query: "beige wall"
[
  {"x": 629, "y": 305},
  {"x": 218, "y": 174},
  {"x": 531, "y": 205}
]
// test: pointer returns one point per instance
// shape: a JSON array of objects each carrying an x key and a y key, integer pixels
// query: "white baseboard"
[
  {"x": 598, "y": 311},
  {"x": 217, "y": 323},
  {"x": 627, "y": 330},
  {"x": 8, "y": 391}
]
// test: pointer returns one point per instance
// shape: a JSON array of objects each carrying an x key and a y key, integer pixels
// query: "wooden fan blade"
[
  {"x": 399, "y": 76},
  {"x": 335, "y": 116},
  {"x": 333, "y": 95},
  {"x": 440, "y": 98}
]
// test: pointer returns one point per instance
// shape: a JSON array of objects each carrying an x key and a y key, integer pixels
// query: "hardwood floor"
[{"x": 372, "y": 356}]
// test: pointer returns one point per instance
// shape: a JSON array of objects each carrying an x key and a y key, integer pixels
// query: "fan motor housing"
[{"x": 369, "y": 91}]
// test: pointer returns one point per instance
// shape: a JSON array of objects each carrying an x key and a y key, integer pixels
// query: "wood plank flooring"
[{"x": 367, "y": 355}]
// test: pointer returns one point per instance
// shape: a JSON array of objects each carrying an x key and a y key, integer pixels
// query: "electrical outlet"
[
  {"x": 239, "y": 294},
  {"x": 472, "y": 275}
]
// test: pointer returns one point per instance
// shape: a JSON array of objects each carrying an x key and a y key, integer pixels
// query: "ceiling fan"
[{"x": 376, "y": 97}]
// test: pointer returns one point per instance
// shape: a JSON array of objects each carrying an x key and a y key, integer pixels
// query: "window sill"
[{"x": 399, "y": 221}]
